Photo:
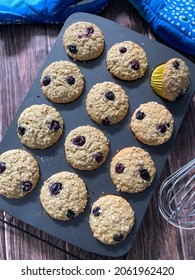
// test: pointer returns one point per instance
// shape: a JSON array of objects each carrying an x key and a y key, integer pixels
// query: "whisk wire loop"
[{"x": 177, "y": 197}]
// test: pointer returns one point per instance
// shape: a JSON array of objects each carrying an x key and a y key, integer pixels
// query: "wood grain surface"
[{"x": 23, "y": 49}]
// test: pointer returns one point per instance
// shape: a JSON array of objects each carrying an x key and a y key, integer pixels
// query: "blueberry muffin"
[
  {"x": 62, "y": 82},
  {"x": 171, "y": 80},
  {"x": 39, "y": 126},
  {"x": 64, "y": 196},
  {"x": 107, "y": 103},
  {"x": 111, "y": 219},
  {"x": 86, "y": 147},
  {"x": 19, "y": 173},
  {"x": 132, "y": 170},
  {"x": 127, "y": 61},
  {"x": 83, "y": 41},
  {"x": 152, "y": 123}
]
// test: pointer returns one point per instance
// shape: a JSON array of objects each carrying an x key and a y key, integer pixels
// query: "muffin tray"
[{"x": 52, "y": 160}]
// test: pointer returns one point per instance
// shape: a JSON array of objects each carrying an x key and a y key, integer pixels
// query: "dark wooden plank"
[
  {"x": 2, "y": 238},
  {"x": 20, "y": 245},
  {"x": 23, "y": 49}
]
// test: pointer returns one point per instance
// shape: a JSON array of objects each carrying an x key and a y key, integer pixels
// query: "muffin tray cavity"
[{"x": 52, "y": 160}]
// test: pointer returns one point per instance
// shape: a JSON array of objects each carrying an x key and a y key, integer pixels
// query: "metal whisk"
[{"x": 177, "y": 197}]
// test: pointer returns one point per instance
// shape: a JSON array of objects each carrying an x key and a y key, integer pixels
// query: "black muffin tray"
[{"x": 53, "y": 160}]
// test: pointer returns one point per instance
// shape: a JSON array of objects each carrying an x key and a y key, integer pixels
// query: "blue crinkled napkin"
[
  {"x": 172, "y": 20},
  {"x": 46, "y": 11}
]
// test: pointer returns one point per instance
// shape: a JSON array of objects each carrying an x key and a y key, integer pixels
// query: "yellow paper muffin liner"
[{"x": 156, "y": 80}]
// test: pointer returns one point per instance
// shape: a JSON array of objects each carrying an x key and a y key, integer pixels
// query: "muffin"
[
  {"x": 171, "y": 80},
  {"x": 107, "y": 103},
  {"x": 152, "y": 123},
  {"x": 111, "y": 219},
  {"x": 83, "y": 41},
  {"x": 132, "y": 170},
  {"x": 19, "y": 173},
  {"x": 86, "y": 147},
  {"x": 62, "y": 82},
  {"x": 127, "y": 61},
  {"x": 64, "y": 196},
  {"x": 39, "y": 126}
]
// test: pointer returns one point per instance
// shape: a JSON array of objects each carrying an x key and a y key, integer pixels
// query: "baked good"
[
  {"x": 127, "y": 61},
  {"x": 39, "y": 126},
  {"x": 83, "y": 41},
  {"x": 111, "y": 219},
  {"x": 107, "y": 103},
  {"x": 171, "y": 80},
  {"x": 152, "y": 123},
  {"x": 132, "y": 170},
  {"x": 62, "y": 82},
  {"x": 64, "y": 195},
  {"x": 19, "y": 173},
  {"x": 86, "y": 147}
]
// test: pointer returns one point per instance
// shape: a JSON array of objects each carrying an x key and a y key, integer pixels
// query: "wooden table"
[{"x": 23, "y": 49}]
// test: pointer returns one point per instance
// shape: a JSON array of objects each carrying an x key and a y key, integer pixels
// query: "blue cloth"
[
  {"x": 172, "y": 20},
  {"x": 46, "y": 11}
]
